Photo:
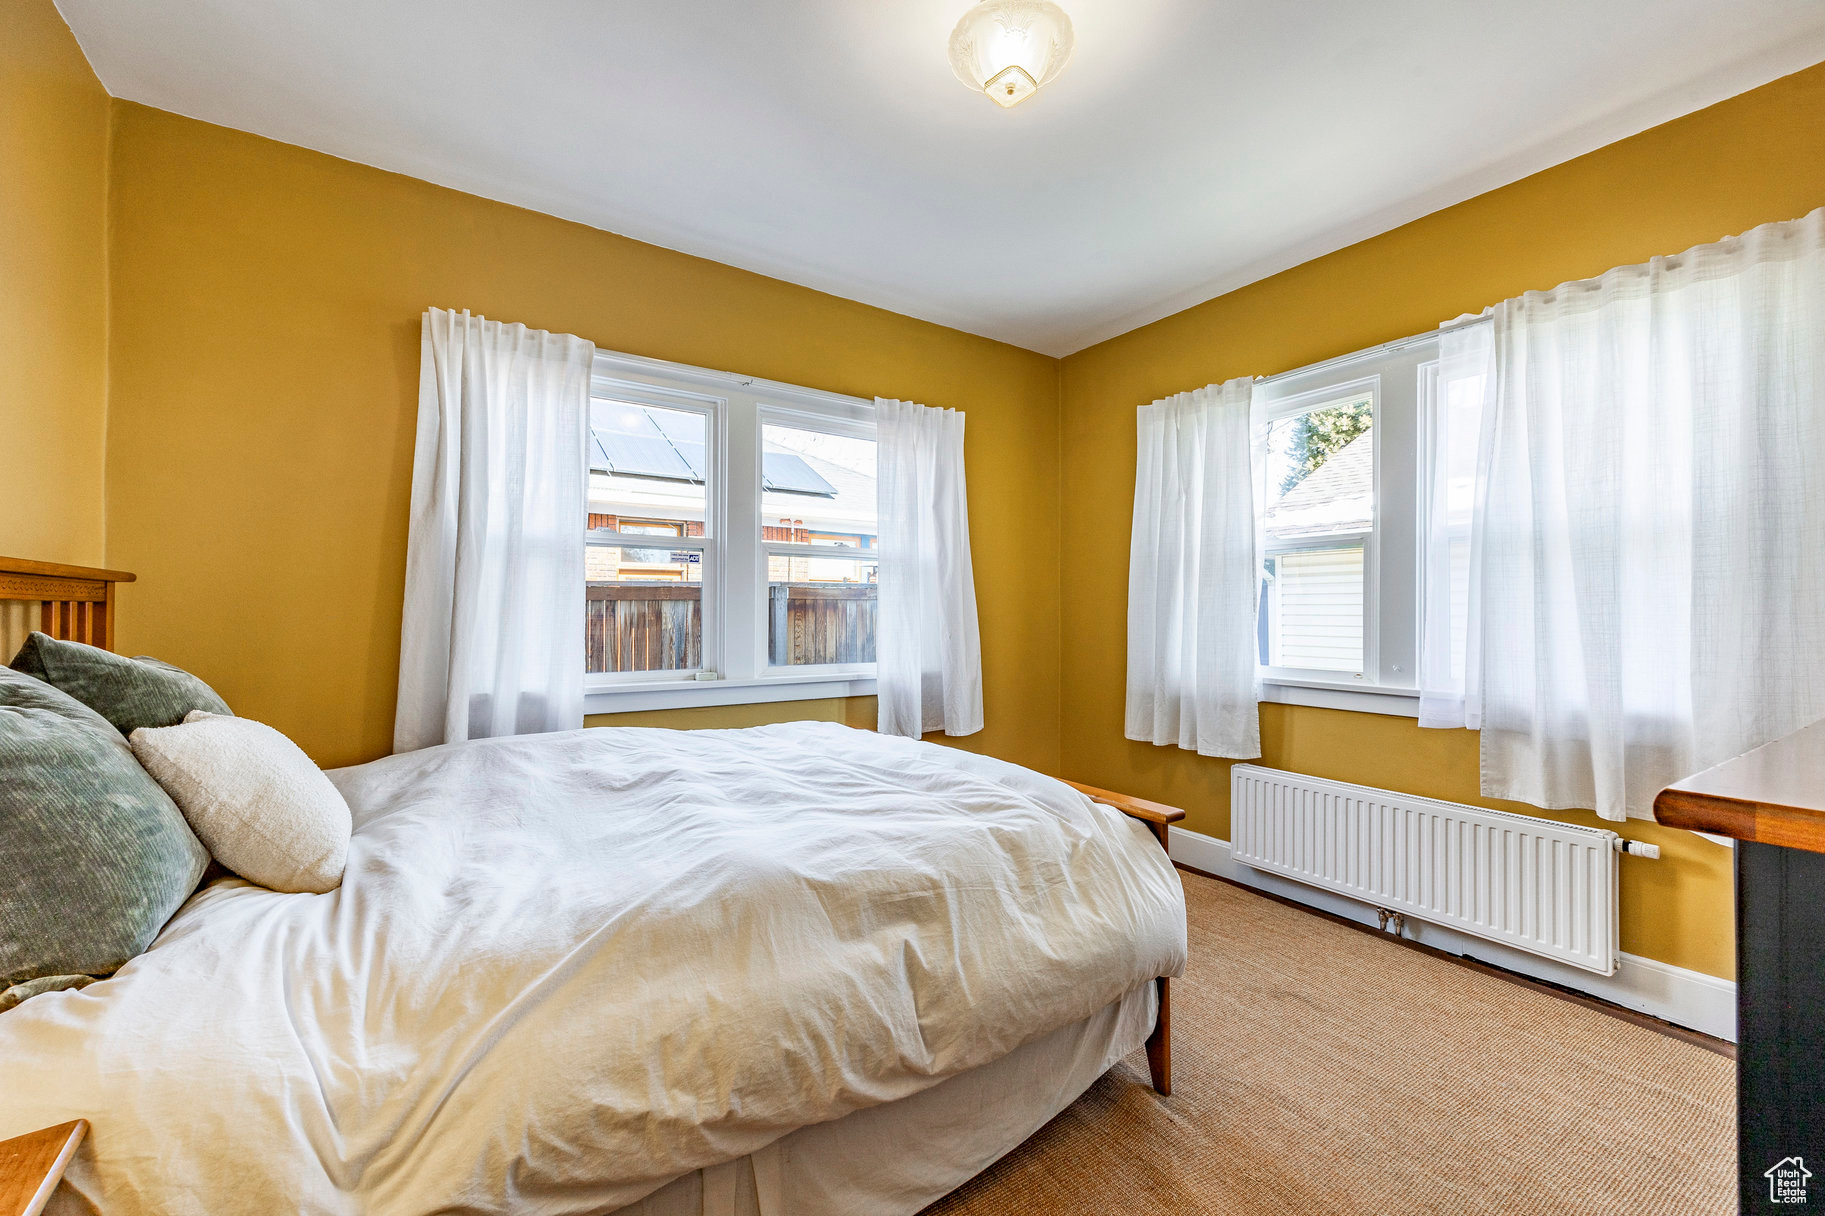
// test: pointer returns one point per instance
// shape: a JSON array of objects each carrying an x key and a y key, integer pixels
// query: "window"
[
  {"x": 1338, "y": 447},
  {"x": 1318, "y": 526},
  {"x": 650, "y": 475},
  {"x": 731, "y": 539},
  {"x": 818, "y": 530}
]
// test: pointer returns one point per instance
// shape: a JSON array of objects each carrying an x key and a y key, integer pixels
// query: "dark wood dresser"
[{"x": 1772, "y": 801}]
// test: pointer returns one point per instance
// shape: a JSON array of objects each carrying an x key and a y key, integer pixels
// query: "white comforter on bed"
[{"x": 563, "y": 969}]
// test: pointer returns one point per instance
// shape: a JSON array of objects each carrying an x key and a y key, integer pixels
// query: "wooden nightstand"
[{"x": 32, "y": 1164}]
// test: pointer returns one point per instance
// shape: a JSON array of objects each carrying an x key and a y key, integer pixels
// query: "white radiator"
[{"x": 1534, "y": 884}]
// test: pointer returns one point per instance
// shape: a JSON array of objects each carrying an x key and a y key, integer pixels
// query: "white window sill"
[
  {"x": 683, "y": 694},
  {"x": 1358, "y": 698}
]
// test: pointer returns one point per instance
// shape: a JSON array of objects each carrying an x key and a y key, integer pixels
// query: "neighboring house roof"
[
  {"x": 639, "y": 441},
  {"x": 650, "y": 462},
  {"x": 849, "y": 508},
  {"x": 1337, "y": 496}
]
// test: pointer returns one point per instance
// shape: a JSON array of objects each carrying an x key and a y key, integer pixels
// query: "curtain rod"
[{"x": 1431, "y": 335}]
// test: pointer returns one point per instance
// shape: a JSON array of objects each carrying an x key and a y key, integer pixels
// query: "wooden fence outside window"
[{"x": 659, "y": 626}]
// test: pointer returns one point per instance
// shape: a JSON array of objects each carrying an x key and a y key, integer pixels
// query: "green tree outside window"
[{"x": 1321, "y": 434}]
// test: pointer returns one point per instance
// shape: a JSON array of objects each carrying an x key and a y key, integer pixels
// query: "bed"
[{"x": 792, "y": 969}]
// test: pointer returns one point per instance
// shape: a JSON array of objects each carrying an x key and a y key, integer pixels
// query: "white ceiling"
[{"x": 1190, "y": 147}]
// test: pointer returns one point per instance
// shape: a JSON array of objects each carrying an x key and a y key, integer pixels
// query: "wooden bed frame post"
[
  {"x": 1159, "y": 818},
  {"x": 1159, "y": 1043}
]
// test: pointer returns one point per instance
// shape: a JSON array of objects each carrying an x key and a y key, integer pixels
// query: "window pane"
[
  {"x": 820, "y": 610},
  {"x": 1320, "y": 483},
  {"x": 817, "y": 488},
  {"x": 1311, "y": 609},
  {"x": 645, "y": 609},
  {"x": 647, "y": 468},
  {"x": 1321, "y": 471}
]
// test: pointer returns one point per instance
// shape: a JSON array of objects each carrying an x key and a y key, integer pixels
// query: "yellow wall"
[
  {"x": 265, "y": 316},
  {"x": 1740, "y": 163},
  {"x": 53, "y": 289}
]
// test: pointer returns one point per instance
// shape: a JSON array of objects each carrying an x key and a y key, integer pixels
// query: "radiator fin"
[{"x": 1534, "y": 884}]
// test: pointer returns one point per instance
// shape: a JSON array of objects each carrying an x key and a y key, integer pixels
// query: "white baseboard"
[{"x": 1686, "y": 998}]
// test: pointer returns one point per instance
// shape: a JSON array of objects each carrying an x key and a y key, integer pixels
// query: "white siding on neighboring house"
[
  {"x": 1318, "y": 606},
  {"x": 1313, "y": 614}
]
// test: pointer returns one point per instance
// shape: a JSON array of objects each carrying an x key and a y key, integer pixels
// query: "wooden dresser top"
[{"x": 1774, "y": 794}]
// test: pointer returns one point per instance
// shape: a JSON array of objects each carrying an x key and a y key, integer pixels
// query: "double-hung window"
[
  {"x": 732, "y": 543},
  {"x": 1339, "y": 450}
]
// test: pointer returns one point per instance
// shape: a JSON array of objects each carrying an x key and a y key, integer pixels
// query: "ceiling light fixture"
[{"x": 1009, "y": 48}]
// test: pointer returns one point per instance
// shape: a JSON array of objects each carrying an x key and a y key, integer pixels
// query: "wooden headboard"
[{"x": 71, "y": 602}]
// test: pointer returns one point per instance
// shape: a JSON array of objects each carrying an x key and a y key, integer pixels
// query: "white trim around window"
[
  {"x": 735, "y": 665},
  {"x": 1394, "y": 702}
]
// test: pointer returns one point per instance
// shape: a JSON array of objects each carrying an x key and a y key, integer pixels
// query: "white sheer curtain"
[
  {"x": 1452, "y": 475},
  {"x": 1193, "y": 576},
  {"x": 928, "y": 653},
  {"x": 492, "y": 640},
  {"x": 1647, "y": 555}
]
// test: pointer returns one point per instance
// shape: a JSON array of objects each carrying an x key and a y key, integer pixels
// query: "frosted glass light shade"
[{"x": 1009, "y": 49}]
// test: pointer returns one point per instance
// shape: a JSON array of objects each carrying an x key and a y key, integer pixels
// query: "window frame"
[
  {"x": 1399, "y": 374},
  {"x": 735, "y": 555}
]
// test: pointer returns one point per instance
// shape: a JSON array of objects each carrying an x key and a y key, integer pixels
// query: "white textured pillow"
[{"x": 252, "y": 797}]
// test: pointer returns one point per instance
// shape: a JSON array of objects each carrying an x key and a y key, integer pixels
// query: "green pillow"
[
  {"x": 130, "y": 693},
  {"x": 94, "y": 857}
]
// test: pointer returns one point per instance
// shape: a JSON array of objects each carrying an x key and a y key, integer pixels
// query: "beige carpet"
[{"x": 1318, "y": 1070}]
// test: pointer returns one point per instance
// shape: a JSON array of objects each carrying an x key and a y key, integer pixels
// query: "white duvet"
[{"x": 564, "y": 969}]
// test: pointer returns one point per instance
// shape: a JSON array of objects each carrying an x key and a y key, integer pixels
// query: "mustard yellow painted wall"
[
  {"x": 53, "y": 289},
  {"x": 1754, "y": 158},
  {"x": 266, "y": 304}
]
